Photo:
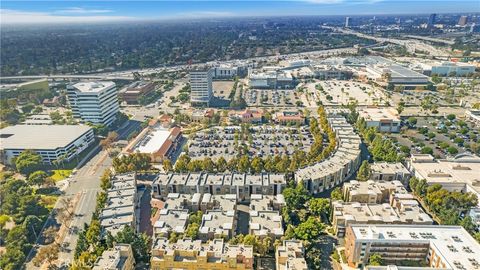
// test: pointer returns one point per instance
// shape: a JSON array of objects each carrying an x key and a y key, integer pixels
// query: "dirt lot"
[{"x": 222, "y": 89}]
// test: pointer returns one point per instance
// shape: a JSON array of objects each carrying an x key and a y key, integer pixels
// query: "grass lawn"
[{"x": 59, "y": 175}]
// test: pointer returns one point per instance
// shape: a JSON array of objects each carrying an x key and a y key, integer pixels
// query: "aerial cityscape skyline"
[{"x": 24, "y": 12}]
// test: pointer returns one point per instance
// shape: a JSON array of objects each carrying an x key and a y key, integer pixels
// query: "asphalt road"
[{"x": 85, "y": 183}]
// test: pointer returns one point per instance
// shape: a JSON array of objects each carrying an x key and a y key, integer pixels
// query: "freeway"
[{"x": 128, "y": 77}]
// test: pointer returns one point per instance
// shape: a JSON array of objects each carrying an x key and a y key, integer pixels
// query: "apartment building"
[
  {"x": 94, "y": 102},
  {"x": 371, "y": 191},
  {"x": 54, "y": 143},
  {"x": 399, "y": 212},
  {"x": 383, "y": 119},
  {"x": 192, "y": 255},
  {"x": 243, "y": 185},
  {"x": 265, "y": 223},
  {"x": 259, "y": 202},
  {"x": 227, "y": 202},
  {"x": 171, "y": 221},
  {"x": 473, "y": 115},
  {"x": 290, "y": 256},
  {"x": 389, "y": 172},
  {"x": 201, "y": 86},
  {"x": 444, "y": 247},
  {"x": 218, "y": 224},
  {"x": 456, "y": 174},
  {"x": 120, "y": 257},
  {"x": 340, "y": 165},
  {"x": 122, "y": 204},
  {"x": 177, "y": 201}
]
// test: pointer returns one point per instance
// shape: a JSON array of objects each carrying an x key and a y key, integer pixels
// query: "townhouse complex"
[
  {"x": 340, "y": 165},
  {"x": 122, "y": 204},
  {"x": 243, "y": 185},
  {"x": 291, "y": 256},
  {"x": 120, "y": 257}
]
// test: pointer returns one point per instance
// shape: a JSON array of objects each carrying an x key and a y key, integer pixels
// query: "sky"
[{"x": 66, "y": 11}]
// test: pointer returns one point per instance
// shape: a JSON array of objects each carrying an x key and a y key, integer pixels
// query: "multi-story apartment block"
[
  {"x": 259, "y": 202},
  {"x": 266, "y": 223},
  {"x": 401, "y": 212},
  {"x": 227, "y": 202},
  {"x": 94, "y": 102},
  {"x": 339, "y": 166},
  {"x": 291, "y": 256},
  {"x": 120, "y": 257},
  {"x": 122, "y": 203},
  {"x": 371, "y": 191},
  {"x": 389, "y": 172},
  {"x": 218, "y": 224},
  {"x": 243, "y": 185},
  {"x": 192, "y": 255},
  {"x": 444, "y": 247},
  {"x": 171, "y": 221},
  {"x": 201, "y": 86},
  {"x": 177, "y": 201}
]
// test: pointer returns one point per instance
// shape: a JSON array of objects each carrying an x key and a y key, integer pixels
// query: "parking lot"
[
  {"x": 259, "y": 141},
  {"x": 342, "y": 92},
  {"x": 255, "y": 97},
  {"x": 443, "y": 137}
]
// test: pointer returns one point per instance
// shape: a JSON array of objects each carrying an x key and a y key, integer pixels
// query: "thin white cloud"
[
  {"x": 80, "y": 10},
  {"x": 9, "y": 16}
]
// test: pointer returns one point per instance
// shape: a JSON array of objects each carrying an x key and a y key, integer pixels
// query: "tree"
[
  {"x": 49, "y": 234},
  {"x": 412, "y": 121},
  {"x": 427, "y": 150},
  {"x": 375, "y": 259},
  {"x": 451, "y": 117},
  {"x": 257, "y": 165},
  {"x": 12, "y": 259},
  {"x": 139, "y": 242},
  {"x": 336, "y": 194},
  {"x": 319, "y": 206},
  {"x": 221, "y": 164},
  {"x": 364, "y": 172},
  {"x": 47, "y": 254},
  {"x": 192, "y": 231},
  {"x": 37, "y": 178},
  {"x": 167, "y": 165},
  {"x": 309, "y": 230},
  {"x": 93, "y": 233},
  {"x": 28, "y": 162},
  {"x": 452, "y": 150}
]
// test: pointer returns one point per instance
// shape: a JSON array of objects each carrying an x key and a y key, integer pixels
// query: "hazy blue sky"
[{"x": 98, "y": 11}]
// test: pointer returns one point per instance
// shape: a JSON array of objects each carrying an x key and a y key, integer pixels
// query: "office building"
[
  {"x": 289, "y": 118},
  {"x": 290, "y": 256},
  {"x": 431, "y": 20},
  {"x": 444, "y": 247},
  {"x": 383, "y": 119},
  {"x": 271, "y": 78},
  {"x": 400, "y": 211},
  {"x": 389, "y": 172},
  {"x": 54, "y": 143},
  {"x": 201, "y": 87},
  {"x": 190, "y": 254},
  {"x": 335, "y": 169},
  {"x": 347, "y": 22},
  {"x": 120, "y": 257},
  {"x": 463, "y": 20},
  {"x": 132, "y": 93},
  {"x": 122, "y": 204},
  {"x": 371, "y": 191},
  {"x": 94, "y": 102}
]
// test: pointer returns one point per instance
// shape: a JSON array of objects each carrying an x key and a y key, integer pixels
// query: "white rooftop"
[{"x": 93, "y": 87}]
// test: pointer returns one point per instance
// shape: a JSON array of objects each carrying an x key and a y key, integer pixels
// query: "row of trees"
[{"x": 133, "y": 162}]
